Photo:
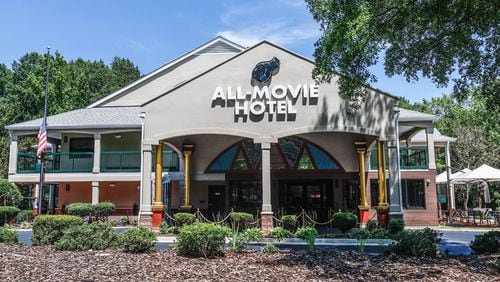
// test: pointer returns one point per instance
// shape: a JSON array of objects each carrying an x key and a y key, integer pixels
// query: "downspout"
[
  {"x": 141, "y": 116},
  {"x": 399, "y": 164}
]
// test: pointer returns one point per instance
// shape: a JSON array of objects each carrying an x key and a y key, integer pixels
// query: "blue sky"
[{"x": 151, "y": 33}]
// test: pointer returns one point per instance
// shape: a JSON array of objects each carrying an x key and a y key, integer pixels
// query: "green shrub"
[
  {"x": 9, "y": 193},
  {"x": 487, "y": 243},
  {"x": 280, "y": 233},
  {"x": 270, "y": 248},
  {"x": 289, "y": 222},
  {"x": 379, "y": 233},
  {"x": 201, "y": 240},
  {"x": 113, "y": 222},
  {"x": 252, "y": 234},
  {"x": 418, "y": 243},
  {"x": 80, "y": 209},
  {"x": 7, "y": 214},
  {"x": 371, "y": 225},
  {"x": 93, "y": 236},
  {"x": 396, "y": 225},
  {"x": 48, "y": 229},
  {"x": 25, "y": 216},
  {"x": 309, "y": 234},
  {"x": 361, "y": 235},
  {"x": 173, "y": 230},
  {"x": 344, "y": 221},
  {"x": 184, "y": 218},
  {"x": 163, "y": 228},
  {"x": 138, "y": 240},
  {"x": 124, "y": 220},
  {"x": 8, "y": 236},
  {"x": 102, "y": 210},
  {"x": 240, "y": 220}
]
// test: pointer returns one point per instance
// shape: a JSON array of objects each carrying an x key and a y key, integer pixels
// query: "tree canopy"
[
  {"x": 439, "y": 39},
  {"x": 73, "y": 84}
]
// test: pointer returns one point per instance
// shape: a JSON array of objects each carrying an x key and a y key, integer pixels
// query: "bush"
[
  {"x": 379, "y": 233},
  {"x": 124, "y": 220},
  {"x": 252, "y": 234},
  {"x": 103, "y": 209},
  {"x": 270, "y": 248},
  {"x": 487, "y": 243},
  {"x": 163, "y": 228},
  {"x": 280, "y": 233},
  {"x": 201, "y": 240},
  {"x": 8, "y": 236},
  {"x": 9, "y": 193},
  {"x": 7, "y": 214},
  {"x": 309, "y": 234},
  {"x": 80, "y": 209},
  {"x": 345, "y": 221},
  {"x": 361, "y": 235},
  {"x": 93, "y": 236},
  {"x": 138, "y": 240},
  {"x": 113, "y": 222},
  {"x": 396, "y": 226},
  {"x": 418, "y": 243},
  {"x": 48, "y": 229},
  {"x": 240, "y": 220},
  {"x": 371, "y": 225},
  {"x": 173, "y": 230},
  {"x": 25, "y": 216},
  {"x": 184, "y": 218},
  {"x": 289, "y": 222}
]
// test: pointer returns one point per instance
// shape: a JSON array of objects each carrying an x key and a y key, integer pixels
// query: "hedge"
[
  {"x": 7, "y": 214},
  {"x": 48, "y": 229},
  {"x": 93, "y": 236},
  {"x": 345, "y": 221},
  {"x": 184, "y": 218},
  {"x": 201, "y": 240},
  {"x": 138, "y": 240},
  {"x": 8, "y": 236}
]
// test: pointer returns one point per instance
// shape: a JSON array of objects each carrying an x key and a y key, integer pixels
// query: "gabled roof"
[
  {"x": 218, "y": 45},
  {"x": 96, "y": 118},
  {"x": 420, "y": 137},
  {"x": 410, "y": 115}
]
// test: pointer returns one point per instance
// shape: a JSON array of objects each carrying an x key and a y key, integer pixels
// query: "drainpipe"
[
  {"x": 399, "y": 163},
  {"x": 142, "y": 116}
]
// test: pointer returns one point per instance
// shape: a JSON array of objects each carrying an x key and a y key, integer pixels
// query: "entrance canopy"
[{"x": 482, "y": 173}]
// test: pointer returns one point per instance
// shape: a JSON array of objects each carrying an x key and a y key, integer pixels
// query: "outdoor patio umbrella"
[
  {"x": 441, "y": 178},
  {"x": 482, "y": 173}
]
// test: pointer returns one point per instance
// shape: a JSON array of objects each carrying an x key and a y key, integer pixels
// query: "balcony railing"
[
  {"x": 56, "y": 162},
  {"x": 114, "y": 161},
  {"x": 411, "y": 158}
]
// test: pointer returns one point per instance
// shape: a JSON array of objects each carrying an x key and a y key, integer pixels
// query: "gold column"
[
  {"x": 382, "y": 190},
  {"x": 157, "y": 204},
  {"x": 361, "y": 150},
  {"x": 187, "y": 150}
]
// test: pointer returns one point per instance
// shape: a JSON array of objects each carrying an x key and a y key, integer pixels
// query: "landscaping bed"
[{"x": 22, "y": 263}]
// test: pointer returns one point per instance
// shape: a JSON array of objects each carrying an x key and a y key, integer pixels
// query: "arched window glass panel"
[
  {"x": 291, "y": 149},
  {"x": 305, "y": 161},
  {"x": 253, "y": 152},
  {"x": 321, "y": 159},
  {"x": 224, "y": 161},
  {"x": 276, "y": 159},
  {"x": 240, "y": 163}
]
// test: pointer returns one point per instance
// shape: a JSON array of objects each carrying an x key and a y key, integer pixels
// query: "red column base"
[
  {"x": 364, "y": 216},
  {"x": 266, "y": 222},
  {"x": 157, "y": 218}
]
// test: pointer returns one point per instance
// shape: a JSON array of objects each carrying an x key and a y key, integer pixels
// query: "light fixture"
[
  {"x": 67, "y": 187},
  {"x": 428, "y": 181},
  {"x": 112, "y": 185},
  {"x": 118, "y": 136},
  {"x": 65, "y": 139}
]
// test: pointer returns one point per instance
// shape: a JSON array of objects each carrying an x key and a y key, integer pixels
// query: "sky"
[{"x": 151, "y": 33}]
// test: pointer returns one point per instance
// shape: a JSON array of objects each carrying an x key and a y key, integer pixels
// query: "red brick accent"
[
  {"x": 364, "y": 216},
  {"x": 157, "y": 218},
  {"x": 266, "y": 222}
]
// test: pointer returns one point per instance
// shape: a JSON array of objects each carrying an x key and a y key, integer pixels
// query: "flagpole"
[{"x": 42, "y": 156}]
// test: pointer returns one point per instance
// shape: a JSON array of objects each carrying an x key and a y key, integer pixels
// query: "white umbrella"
[
  {"x": 482, "y": 173},
  {"x": 441, "y": 178}
]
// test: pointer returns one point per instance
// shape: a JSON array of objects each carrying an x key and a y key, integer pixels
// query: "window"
[
  {"x": 81, "y": 145},
  {"x": 245, "y": 196},
  {"x": 413, "y": 193},
  {"x": 350, "y": 188},
  {"x": 374, "y": 192}
]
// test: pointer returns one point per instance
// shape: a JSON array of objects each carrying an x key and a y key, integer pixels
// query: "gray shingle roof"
[
  {"x": 409, "y": 115},
  {"x": 420, "y": 137},
  {"x": 96, "y": 118}
]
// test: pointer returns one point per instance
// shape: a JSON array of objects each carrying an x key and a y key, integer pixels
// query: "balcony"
[
  {"x": 56, "y": 162},
  {"x": 71, "y": 162},
  {"x": 410, "y": 157}
]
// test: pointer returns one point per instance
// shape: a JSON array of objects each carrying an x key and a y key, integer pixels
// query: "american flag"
[{"x": 42, "y": 138}]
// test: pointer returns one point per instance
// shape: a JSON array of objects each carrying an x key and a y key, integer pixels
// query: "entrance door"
[
  {"x": 315, "y": 196},
  {"x": 216, "y": 199}
]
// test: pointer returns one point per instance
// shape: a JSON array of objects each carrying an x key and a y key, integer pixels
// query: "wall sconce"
[
  {"x": 65, "y": 139},
  {"x": 67, "y": 187},
  {"x": 112, "y": 185},
  {"x": 118, "y": 136},
  {"x": 428, "y": 182}
]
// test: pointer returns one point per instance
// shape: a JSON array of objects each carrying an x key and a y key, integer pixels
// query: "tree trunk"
[{"x": 466, "y": 202}]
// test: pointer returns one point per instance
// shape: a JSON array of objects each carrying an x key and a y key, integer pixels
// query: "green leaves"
[{"x": 440, "y": 40}]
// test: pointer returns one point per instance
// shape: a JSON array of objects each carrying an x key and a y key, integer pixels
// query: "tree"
[
  {"x": 435, "y": 39},
  {"x": 124, "y": 71},
  {"x": 9, "y": 193}
]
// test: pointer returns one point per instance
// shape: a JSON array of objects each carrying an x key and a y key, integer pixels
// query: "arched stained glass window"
[{"x": 290, "y": 153}]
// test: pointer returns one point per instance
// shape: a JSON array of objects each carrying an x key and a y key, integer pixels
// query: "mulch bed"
[{"x": 22, "y": 263}]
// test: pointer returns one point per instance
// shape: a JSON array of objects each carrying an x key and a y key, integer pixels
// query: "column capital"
[
  {"x": 360, "y": 147},
  {"x": 265, "y": 146},
  {"x": 97, "y": 136},
  {"x": 14, "y": 137}
]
